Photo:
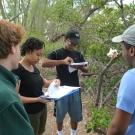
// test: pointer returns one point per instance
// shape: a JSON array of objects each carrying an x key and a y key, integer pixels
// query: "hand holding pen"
[{"x": 68, "y": 61}]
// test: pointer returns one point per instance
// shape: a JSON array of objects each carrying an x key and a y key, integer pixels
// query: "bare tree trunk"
[
  {"x": 25, "y": 10},
  {"x": 33, "y": 17},
  {"x": 101, "y": 78},
  {"x": 122, "y": 12},
  {"x": 13, "y": 18},
  {"x": 2, "y": 10},
  {"x": 111, "y": 93},
  {"x": 15, "y": 11}
]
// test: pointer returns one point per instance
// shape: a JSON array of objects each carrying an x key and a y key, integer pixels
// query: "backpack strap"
[
  {"x": 79, "y": 54},
  {"x": 56, "y": 53}
]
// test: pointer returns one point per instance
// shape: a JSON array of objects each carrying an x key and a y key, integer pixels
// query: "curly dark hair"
[{"x": 31, "y": 44}]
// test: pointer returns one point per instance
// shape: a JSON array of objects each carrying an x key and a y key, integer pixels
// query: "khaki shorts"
[
  {"x": 38, "y": 121},
  {"x": 70, "y": 104}
]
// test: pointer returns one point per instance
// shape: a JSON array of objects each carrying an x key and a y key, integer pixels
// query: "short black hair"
[
  {"x": 128, "y": 46},
  {"x": 31, "y": 44}
]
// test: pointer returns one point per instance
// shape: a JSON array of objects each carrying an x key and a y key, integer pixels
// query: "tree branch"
[
  {"x": 109, "y": 34},
  {"x": 122, "y": 12},
  {"x": 2, "y": 10},
  {"x": 92, "y": 11},
  {"x": 101, "y": 76},
  {"x": 87, "y": 74},
  {"x": 111, "y": 92},
  {"x": 89, "y": 13},
  {"x": 13, "y": 18},
  {"x": 56, "y": 38}
]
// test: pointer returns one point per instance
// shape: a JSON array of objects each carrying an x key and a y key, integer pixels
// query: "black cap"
[{"x": 73, "y": 35}]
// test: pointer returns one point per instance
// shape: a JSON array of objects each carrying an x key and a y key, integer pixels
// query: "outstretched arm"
[
  {"x": 29, "y": 99},
  {"x": 26, "y": 100},
  {"x": 119, "y": 123},
  {"x": 52, "y": 63}
]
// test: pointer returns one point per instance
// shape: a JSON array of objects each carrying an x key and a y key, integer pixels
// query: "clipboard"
[
  {"x": 49, "y": 98},
  {"x": 56, "y": 93}
]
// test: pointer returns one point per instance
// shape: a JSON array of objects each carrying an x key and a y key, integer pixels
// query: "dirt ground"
[{"x": 51, "y": 125}]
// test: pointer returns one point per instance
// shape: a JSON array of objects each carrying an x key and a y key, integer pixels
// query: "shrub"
[{"x": 99, "y": 119}]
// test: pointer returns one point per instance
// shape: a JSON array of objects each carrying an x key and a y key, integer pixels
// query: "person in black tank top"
[
  {"x": 31, "y": 84},
  {"x": 62, "y": 58}
]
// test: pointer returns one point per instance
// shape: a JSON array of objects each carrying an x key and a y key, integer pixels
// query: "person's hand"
[
  {"x": 68, "y": 61},
  {"x": 77, "y": 67},
  {"x": 43, "y": 100},
  {"x": 57, "y": 82}
]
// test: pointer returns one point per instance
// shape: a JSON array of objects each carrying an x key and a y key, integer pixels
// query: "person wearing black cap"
[
  {"x": 123, "y": 122},
  {"x": 62, "y": 58}
]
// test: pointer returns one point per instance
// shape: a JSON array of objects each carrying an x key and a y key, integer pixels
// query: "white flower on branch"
[{"x": 112, "y": 53}]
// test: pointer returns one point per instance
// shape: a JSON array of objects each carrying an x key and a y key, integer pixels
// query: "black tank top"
[{"x": 31, "y": 86}]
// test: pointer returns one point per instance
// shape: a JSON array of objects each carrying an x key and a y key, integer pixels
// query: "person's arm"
[
  {"x": 28, "y": 99},
  {"x": 52, "y": 63},
  {"x": 83, "y": 69},
  {"x": 119, "y": 123}
]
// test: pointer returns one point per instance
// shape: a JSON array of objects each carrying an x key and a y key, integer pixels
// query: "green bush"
[{"x": 99, "y": 119}]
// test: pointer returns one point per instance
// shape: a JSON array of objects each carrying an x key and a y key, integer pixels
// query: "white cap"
[{"x": 128, "y": 36}]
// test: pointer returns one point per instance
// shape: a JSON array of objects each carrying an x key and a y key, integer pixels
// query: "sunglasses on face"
[{"x": 72, "y": 44}]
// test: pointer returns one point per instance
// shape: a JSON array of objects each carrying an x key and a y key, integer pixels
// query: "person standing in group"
[
  {"x": 123, "y": 122},
  {"x": 62, "y": 58},
  {"x": 13, "y": 117},
  {"x": 31, "y": 83}
]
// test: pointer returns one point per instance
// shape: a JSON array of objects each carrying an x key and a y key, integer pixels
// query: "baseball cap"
[
  {"x": 73, "y": 35},
  {"x": 128, "y": 36}
]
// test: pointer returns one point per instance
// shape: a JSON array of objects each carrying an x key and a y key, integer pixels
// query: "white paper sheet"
[
  {"x": 58, "y": 92},
  {"x": 80, "y": 64},
  {"x": 70, "y": 69}
]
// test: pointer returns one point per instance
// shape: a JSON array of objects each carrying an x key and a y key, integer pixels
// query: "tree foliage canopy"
[{"x": 97, "y": 21}]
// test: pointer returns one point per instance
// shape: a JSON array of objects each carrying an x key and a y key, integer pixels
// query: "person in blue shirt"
[{"x": 123, "y": 122}]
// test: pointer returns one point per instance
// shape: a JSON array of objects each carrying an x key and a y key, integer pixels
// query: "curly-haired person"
[
  {"x": 31, "y": 83},
  {"x": 13, "y": 117}
]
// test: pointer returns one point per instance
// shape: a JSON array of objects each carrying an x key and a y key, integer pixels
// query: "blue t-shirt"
[{"x": 126, "y": 98}]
